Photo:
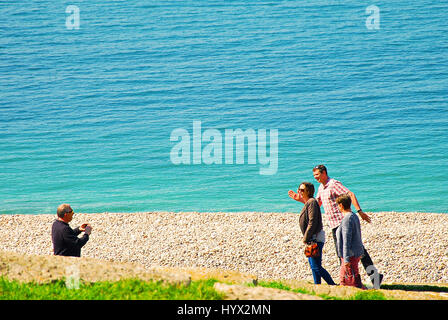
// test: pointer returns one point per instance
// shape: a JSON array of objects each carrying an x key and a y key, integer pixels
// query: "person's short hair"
[
  {"x": 309, "y": 188},
  {"x": 63, "y": 209},
  {"x": 321, "y": 168},
  {"x": 345, "y": 200}
]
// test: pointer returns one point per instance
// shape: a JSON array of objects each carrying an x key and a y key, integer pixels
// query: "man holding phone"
[{"x": 65, "y": 239}]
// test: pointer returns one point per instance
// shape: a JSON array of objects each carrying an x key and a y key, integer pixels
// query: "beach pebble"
[{"x": 406, "y": 247}]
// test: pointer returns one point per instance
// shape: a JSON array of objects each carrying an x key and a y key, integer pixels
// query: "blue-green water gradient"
[{"x": 86, "y": 114}]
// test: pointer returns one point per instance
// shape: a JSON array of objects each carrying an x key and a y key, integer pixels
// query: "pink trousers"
[{"x": 350, "y": 276}]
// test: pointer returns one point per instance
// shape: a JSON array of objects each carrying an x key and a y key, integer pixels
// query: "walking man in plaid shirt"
[{"x": 327, "y": 193}]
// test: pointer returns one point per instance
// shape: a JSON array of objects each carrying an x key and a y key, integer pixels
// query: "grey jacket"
[{"x": 348, "y": 235}]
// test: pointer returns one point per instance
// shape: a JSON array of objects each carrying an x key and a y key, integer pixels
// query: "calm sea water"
[{"x": 86, "y": 114}]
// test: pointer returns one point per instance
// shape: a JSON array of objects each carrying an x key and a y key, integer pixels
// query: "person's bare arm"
[
  {"x": 361, "y": 213},
  {"x": 295, "y": 196}
]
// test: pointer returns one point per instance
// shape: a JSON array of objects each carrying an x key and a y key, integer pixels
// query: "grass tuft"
[{"x": 130, "y": 289}]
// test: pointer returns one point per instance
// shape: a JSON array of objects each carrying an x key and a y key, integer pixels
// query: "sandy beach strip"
[{"x": 405, "y": 247}]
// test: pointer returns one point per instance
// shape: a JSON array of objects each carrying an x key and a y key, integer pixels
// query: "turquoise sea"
[{"x": 86, "y": 113}]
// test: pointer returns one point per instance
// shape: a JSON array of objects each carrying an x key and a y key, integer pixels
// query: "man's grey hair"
[{"x": 63, "y": 209}]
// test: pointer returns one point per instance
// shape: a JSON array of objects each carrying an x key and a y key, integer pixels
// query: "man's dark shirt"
[{"x": 66, "y": 241}]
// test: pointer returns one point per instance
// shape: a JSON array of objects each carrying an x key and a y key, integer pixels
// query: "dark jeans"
[
  {"x": 365, "y": 258},
  {"x": 317, "y": 269}
]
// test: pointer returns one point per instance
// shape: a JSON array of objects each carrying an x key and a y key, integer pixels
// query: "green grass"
[
  {"x": 362, "y": 295},
  {"x": 119, "y": 290},
  {"x": 368, "y": 295},
  {"x": 134, "y": 289},
  {"x": 281, "y": 286}
]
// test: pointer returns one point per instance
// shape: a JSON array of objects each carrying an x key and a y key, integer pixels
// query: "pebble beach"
[{"x": 405, "y": 247}]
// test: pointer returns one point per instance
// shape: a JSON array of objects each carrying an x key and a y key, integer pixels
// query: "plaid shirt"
[{"x": 327, "y": 194}]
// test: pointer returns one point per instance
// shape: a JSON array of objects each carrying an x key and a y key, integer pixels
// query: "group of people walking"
[
  {"x": 345, "y": 226},
  {"x": 332, "y": 194}
]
